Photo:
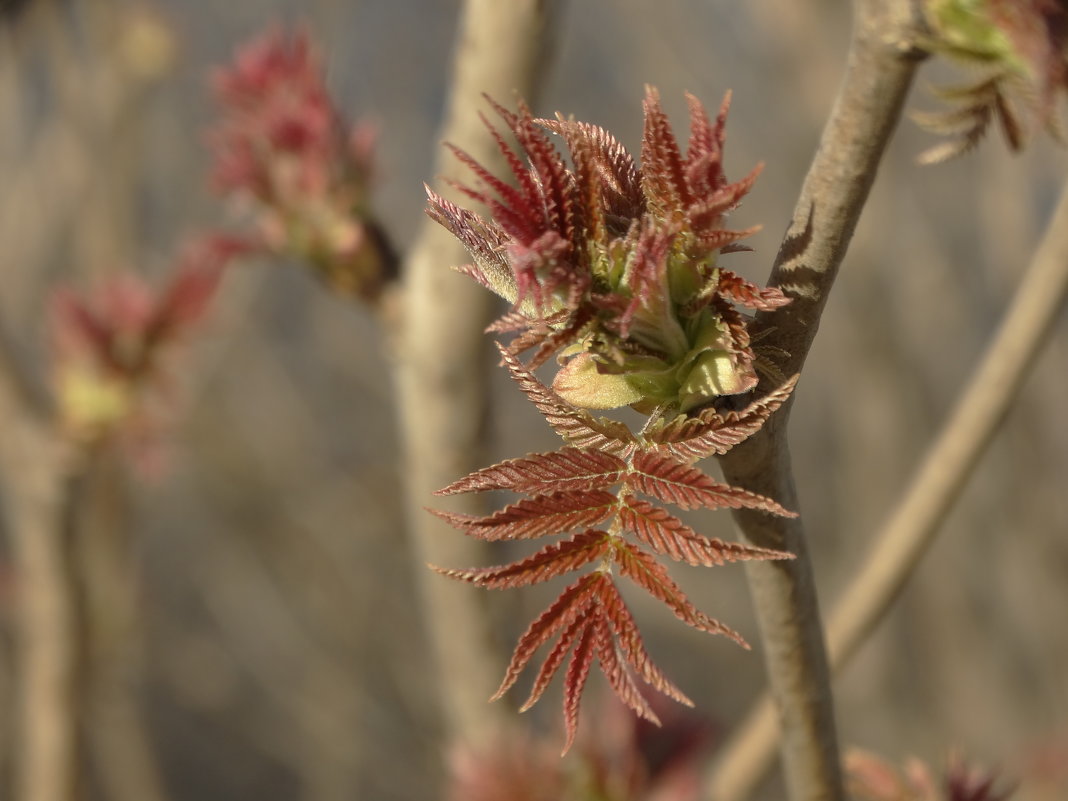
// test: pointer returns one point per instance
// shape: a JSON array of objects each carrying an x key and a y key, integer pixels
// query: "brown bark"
[
  {"x": 443, "y": 360},
  {"x": 881, "y": 64}
]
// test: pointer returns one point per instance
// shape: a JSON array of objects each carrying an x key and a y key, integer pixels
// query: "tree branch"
[
  {"x": 33, "y": 469},
  {"x": 882, "y": 60},
  {"x": 949, "y": 462},
  {"x": 442, "y": 364}
]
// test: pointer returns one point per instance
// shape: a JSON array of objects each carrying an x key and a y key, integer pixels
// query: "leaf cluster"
[
  {"x": 604, "y": 489},
  {"x": 603, "y": 249}
]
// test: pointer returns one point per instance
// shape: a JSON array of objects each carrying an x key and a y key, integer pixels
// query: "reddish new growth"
[
  {"x": 1019, "y": 48},
  {"x": 620, "y": 757},
  {"x": 284, "y": 149},
  {"x": 615, "y": 267},
  {"x": 594, "y": 487},
  {"x": 110, "y": 343},
  {"x": 874, "y": 779}
]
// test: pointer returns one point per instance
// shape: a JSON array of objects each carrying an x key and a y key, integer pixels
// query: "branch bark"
[
  {"x": 904, "y": 539},
  {"x": 442, "y": 365},
  {"x": 881, "y": 64},
  {"x": 48, "y": 652}
]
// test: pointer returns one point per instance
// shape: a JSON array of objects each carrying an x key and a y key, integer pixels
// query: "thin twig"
[
  {"x": 951, "y": 459},
  {"x": 442, "y": 353},
  {"x": 879, "y": 72},
  {"x": 34, "y": 478}
]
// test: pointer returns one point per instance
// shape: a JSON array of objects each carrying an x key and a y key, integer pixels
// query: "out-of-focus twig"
[
  {"x": 58, "y": 157},
  {"x": 879, "y": 71},
  {"x": 33, "y": 474},
  {"x": 949, "y": 462},
  {"x": 442, "y": 355},
  {"x": 906, "y": 536}
]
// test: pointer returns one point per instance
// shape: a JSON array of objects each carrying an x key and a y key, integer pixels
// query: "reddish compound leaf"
[
  {"x": 651, "y": 576},
  {"x": 542, "y": 515},
  {"x": 691, "y": 439},
  {"x": 577, "y": 427},
  {"x": 665, "y": 478},
  {"x": 565, "y": 469},
  {"x": 568, "y": 607},
  {"x": 548, "y": 563},
  {"x": 668, "y": 535}
]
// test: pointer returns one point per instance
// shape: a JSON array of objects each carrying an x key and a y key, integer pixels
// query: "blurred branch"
[
  {"x": 47, "y": 651},
  {"x": 442, "y": 363},
  {"x": 56, "y": 161},
  {"x": 949, "y": 462},
  {"x": 882, "y": 60},
  {"x": 977, "y": 416}
]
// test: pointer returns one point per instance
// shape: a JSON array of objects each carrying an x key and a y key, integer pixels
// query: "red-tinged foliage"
[
  {"x": 578, "y": 427},
  {"x": 643, "y": 569},
  {"x": 284, "y": 150},
  {"x": 112, "y": 345},
  {"x": 872, "y": 778},
  {"x": 571, "y": 603},
  {"x": 514, "y": 767},
  {"x": 691, "y": 439},
  {"x": 575, "y": 682},
  {"x": 551, "y": 513},
  {"x": 619, "y": 757},
  {"x": 667, "y": 535},
  {"x": 551, "y": 561},
  {"x": 119, "y": 329},
  {"x": 618, "y": 676},
  {"x": 580, "y": 487},
  {"x": 684, "y": 485},
  {"x": 1020, "y": 50},
  {"x": 614, "y": 266},
  {"x": 565, "y": 469},
  {"x": 616, "y": 258},
  {"x": 620, "y": 623},
  {"x": 737, "y": 290},
  {"x": 277, "y": 108},
  {"x": 556, "y": 656}
]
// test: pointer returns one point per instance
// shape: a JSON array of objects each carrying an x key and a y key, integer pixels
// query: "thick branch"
[
  {"x": 442, "y": 369},
  {"x": 878, "y": 75}
]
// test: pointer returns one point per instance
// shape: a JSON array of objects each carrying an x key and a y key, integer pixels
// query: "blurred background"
[{"x": 280, "y": 652}]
